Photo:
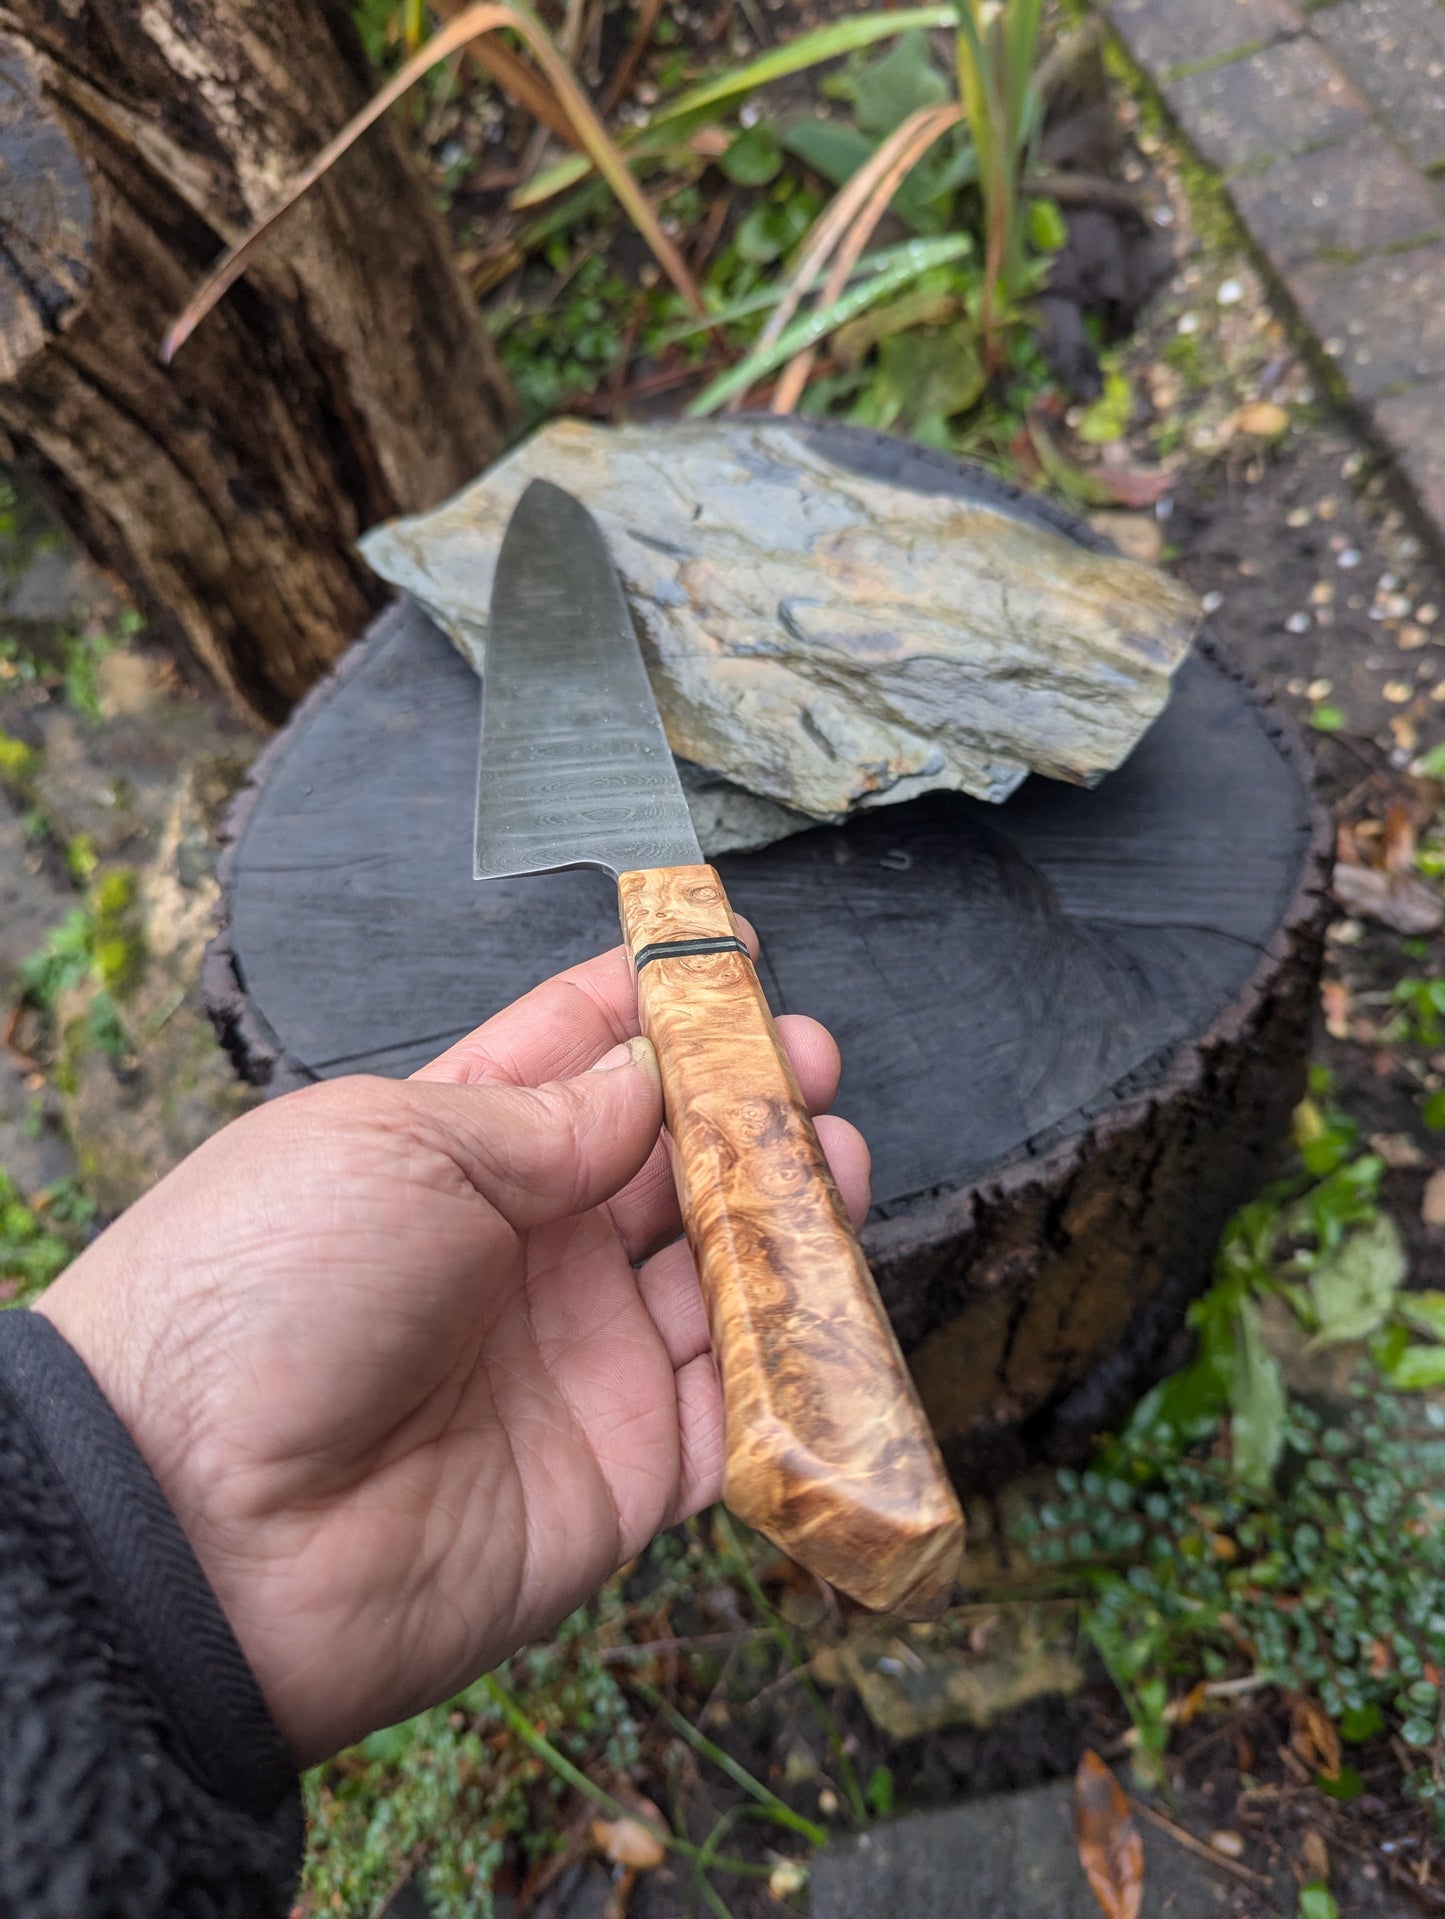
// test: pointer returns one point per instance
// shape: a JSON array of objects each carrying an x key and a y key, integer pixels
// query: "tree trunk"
[{"x": 346, "y": 378}]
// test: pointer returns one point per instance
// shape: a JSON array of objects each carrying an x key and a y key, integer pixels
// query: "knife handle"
[{"x": 829, "y": 1453}]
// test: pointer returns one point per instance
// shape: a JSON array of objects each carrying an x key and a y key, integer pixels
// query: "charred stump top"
[{"x": 1073, "y": 1025}]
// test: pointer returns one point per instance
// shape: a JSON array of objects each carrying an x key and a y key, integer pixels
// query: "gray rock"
[{"x": 820, "y": 638}]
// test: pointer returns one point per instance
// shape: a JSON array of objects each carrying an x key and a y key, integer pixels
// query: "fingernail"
[{"x": 632, "y": 1054}]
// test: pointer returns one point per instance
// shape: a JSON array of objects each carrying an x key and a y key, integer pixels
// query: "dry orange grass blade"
[
  {"x": 588, "y": 131},
  {"x": 836, "y": 218},
  {"x": 512, "y": 74},
  {"x": 934, "y": 122},
  {"x": 1110, "y": 1849}
]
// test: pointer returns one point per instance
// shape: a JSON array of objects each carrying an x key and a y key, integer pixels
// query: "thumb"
[{"x": 539, "y": 1153}]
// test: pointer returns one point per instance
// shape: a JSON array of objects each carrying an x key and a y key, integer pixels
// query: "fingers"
[
  {"x": 700, "y": 1431},
  {"x": 645, "y": 1213},
  {"x": 545, "y": 1153},
  {"x": 851, "y": 1164},
  {"x": 668, "y": 1281},
  {"x": 557, "y": 1030}
]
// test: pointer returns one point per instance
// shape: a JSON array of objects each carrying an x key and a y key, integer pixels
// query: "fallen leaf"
[
  {"x": 1315, "y": 1856},
  {"x": 1192, "y": 1704},
  {"x": 1397, "y": 1150},
  {"x": 1314, "y": 1737},
  {"x": 1262, "y": 420},
  {"x": 1399, "y": 840},
  {"x": 1397, "y": 900},
  {"x": 1135, "y": 486},
  {"x": 1432, "y": 1206},
  {"x": 1335, "y": 998},
  {"x": 1110, "y": 1849},
  {"x": 627, "y": 1842}
]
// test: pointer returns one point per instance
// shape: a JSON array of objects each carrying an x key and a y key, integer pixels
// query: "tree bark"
[{"x": 347, "y": 378}]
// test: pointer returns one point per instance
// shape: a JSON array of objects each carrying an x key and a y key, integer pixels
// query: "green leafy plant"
[
  {"x": 1191, "y": 1573},
  {"x": 1277, "y": 1556},
  {"x": 98, "y": 946},
  {"x": 922, "y": 143},
  {"x": 932, "y": 361},
  {"x": 995, "y": 52},
  {"x": 81, "y": 656},
  {"x": 19, "y": 764},
  {"x": 1422, "y": 1010},
  {"x": 39, "y": 1236},
  {"x": 491, "y": 1775}
]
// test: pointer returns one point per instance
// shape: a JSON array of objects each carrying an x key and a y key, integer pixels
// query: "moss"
[{"x": 19, "y": 764}]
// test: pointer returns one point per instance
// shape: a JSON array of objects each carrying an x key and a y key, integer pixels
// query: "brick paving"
[{"x": 1327, "y": 124}]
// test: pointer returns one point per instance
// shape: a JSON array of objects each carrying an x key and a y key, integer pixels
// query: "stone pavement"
[
  {"x": 1327, "y": 123},
  {"x": 1014, "y": 1857}
]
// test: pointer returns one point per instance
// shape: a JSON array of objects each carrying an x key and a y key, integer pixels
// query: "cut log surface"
[{"x": 1073, "y": 1026}]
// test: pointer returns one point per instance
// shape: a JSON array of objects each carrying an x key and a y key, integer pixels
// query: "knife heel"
[{"x": 829, "y": 1453}]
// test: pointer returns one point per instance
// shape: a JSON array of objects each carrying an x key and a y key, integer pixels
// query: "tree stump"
[
  {"x": 346, "y": 379},
  {"x": 1073, "y": 1026}
]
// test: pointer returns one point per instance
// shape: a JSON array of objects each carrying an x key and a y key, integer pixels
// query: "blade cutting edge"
[{"x": 574, "y": 767}]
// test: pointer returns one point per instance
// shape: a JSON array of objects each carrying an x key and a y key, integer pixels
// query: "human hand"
[{"x": 385, "y": 1346}]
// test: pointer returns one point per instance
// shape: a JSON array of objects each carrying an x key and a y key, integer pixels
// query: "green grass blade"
[
  {"x": 816, "y": 326},
  {"x": 1020, "y": 43},
  {"x": 554, "y": 180},
  {"x": 700, "y": 104},
  {"x": 781, "y": 1812},
  {"x": 766, "y": 298},
  {"x": 541, "y": 1746},
  {"x": 808, "y": 50}
]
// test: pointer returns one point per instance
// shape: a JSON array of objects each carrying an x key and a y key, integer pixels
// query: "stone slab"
[
  {"x": 1358, "y": 198},
  {"x": 1412, "y": 426},
  {"x": 1280, "y": 101},
  {"x": 1013, "y": 1856},
  {"x": 1395, "y": 50},
  {"x": 1009, "y": 1856},
  {"x": 1167, "y": 36},
  {"x": 1381, "y": 320}
]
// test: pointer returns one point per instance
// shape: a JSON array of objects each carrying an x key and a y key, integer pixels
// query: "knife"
[{"x": 828, "y": 1451}]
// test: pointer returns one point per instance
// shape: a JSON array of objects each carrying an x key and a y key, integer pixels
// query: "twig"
[
  {"x": 621, "y": 82},
  {"x": 1234, "y": 1688},
  {"x": 1198, "y": 1847}
]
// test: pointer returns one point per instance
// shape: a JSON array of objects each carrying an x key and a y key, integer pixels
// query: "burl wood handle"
[{"x": 828, "y": 1450}]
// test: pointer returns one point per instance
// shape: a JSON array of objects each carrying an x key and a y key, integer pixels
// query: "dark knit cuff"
[{"x": 148, "y": 1577}]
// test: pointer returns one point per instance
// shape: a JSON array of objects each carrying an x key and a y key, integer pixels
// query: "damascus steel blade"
[{"x": 574, "y": 767}]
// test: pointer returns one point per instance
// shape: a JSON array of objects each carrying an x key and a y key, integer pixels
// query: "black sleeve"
[{"x": 141, "y": 1775}]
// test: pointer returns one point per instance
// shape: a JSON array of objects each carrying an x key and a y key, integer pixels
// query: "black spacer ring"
[{"x": 684, "y": 949}]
